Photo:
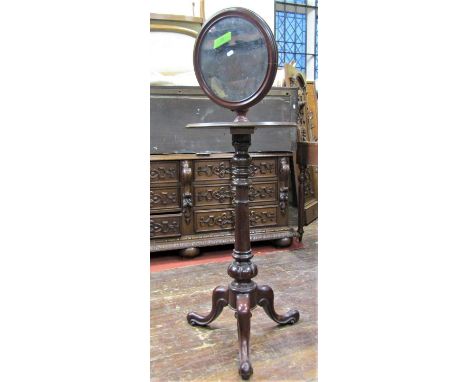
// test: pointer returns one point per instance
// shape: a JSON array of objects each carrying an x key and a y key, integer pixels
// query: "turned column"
[{"x": 242, "y": 270}]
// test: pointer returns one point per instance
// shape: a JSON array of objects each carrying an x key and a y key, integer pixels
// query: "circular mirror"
[{"x": 235, "y": 58}]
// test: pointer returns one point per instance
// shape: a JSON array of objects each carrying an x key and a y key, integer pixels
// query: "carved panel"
[
  {"x": 263, "y": 216},
  {"x": 221, "y": 169},
  {"x": 309, "y": 188},
  {"x": 263, "y": 167},
  {"x": 213, "y": 169},
  {"x": 162, "y": 199},
  {"x": 218, "y": 220},
  {"x": 165, "y": 226},
  {"x": 212, "y": 195},
  {"x": 262, "y": 192},
  {"x": 222, "y": 194},
  {"x": 191, "y": 198},
  {"x": 214, "y": 220},
  {"x": 164, "y": 172}
]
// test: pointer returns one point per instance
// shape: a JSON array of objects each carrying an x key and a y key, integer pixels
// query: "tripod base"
[{"x": 242, "y": 298}]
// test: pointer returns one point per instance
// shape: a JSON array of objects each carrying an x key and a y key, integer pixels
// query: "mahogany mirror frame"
[{"x": 272, "y": 50}]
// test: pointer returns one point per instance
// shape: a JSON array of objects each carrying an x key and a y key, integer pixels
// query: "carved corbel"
[
  {"x": 284, "y": 171},
  {"x": 283, "y": 199},
  {"x": 187, "y": 202}
]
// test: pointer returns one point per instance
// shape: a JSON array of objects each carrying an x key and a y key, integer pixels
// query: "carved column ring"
[{"x": 242, "y": 271}]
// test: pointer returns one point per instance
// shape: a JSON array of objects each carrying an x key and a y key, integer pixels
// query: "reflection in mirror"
[{"x": 233, "y": 59}]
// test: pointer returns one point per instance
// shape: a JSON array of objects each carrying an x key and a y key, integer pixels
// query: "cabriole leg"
[
  {"x": 243, "y": 315},
  {"x": 265, "y": 299},
  {"x": 219, "y": 301}
]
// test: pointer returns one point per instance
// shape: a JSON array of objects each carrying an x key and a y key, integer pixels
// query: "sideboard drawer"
[
  {"x": 223, "y": 219},
  {"x": 221, "y": 194},
  {"x": 219, "y": 169},
  {"x": 191, "y": 198},
  {"x": 214, "y": 220},
  {"x": 164, "y": 199},
  {"x": 263, "y": 192},
  {"x": 165, "y": 225},
  {"x": 164, "y": 172},
  {"x": 263, "y": 167},
  {"x": 212, "y": 195},
  {"x": 263, "y": 216}
]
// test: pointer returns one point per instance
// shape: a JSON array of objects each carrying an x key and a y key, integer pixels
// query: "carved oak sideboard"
[{"x": 191, "y": 200}]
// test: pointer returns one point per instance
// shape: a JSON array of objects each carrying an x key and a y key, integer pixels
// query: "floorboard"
[{"x": 180, "y": 352}]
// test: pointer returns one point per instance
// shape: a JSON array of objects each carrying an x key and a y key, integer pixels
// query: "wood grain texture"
[{"x": 200, "y": 188}]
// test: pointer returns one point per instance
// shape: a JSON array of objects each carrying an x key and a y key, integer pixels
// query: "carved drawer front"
[
  {"x": 219, "y": 220},
  {"x": 263, "y": 216},
  {"x": 164, "y": 199},
  {"x": 220, "y": 194},
  {"x": 164, "y": 172},
  {"x": 263, "y": 167},
  {"x": 210, "y": 195},
  {"x": 214, "y": 220},
  {"x": 218, "y": 169},
  {"x": 165, "y": 226},
  {"x": 263, "y": 192}
]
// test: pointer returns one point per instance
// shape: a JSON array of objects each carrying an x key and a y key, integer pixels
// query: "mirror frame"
[{"x": 272, "y": 50}]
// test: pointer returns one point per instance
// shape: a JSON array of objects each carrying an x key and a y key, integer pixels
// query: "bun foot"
[
  {"x": 189, "y": 252},
  {"x": 283, "y": 242},
  {"x": 245, "y": 370}
]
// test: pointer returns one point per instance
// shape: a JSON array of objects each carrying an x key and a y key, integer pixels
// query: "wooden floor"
[{"x": 180, "y": 352}]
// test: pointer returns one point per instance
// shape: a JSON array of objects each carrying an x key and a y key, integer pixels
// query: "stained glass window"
[
  {"x": 291, "y": 33},
  {"x": 291, "y": 18}
]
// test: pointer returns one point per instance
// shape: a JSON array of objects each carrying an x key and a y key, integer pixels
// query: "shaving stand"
[{"x": 242, "y": 295}]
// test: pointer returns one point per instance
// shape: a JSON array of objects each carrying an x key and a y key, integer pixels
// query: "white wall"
[
  {"x": 171, "y": 54},
  {"x": 264, "y": 8},
  {"x": 175, "y": 7}
]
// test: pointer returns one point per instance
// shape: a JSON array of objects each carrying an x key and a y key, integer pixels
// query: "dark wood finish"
[
  {"x": 221, "y": 194},
  {"x": 265, "y": 87},
  {"x": 213, "y": 169},
  {"x": 165, "y": 225},
  {"x": 262, "y": 168},
  {"x": 187, "y": 201},
  {"x": 190, "y": 252},
  {"x": 220, "y": 298},
  {"x": 164, "y": 172},
  {"x": 284, "y": 242},
  {"x": 265, "y": 298},
  {"x": 218, "y": 220},
  {"x": 243, "y": 294},
  {"x": 306, "y": 155},
  {"x": 164, "y": 199},
  {"x": 203, "y": 191}
]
